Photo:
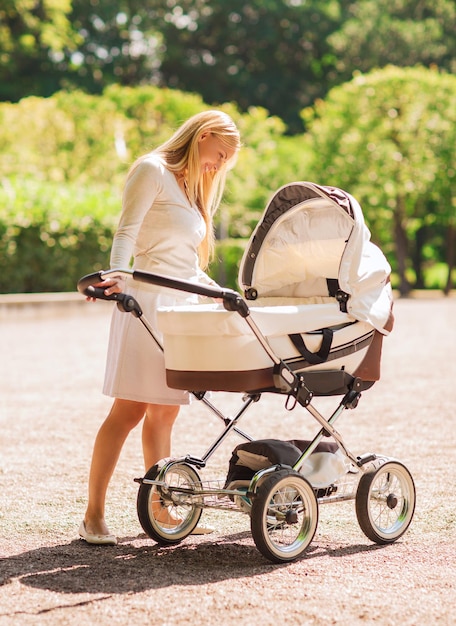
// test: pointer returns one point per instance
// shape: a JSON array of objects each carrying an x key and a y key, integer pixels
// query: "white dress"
[{"x": 162, "y": 231}]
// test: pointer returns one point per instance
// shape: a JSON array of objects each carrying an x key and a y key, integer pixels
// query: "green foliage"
[
  {"x": 33, "y": 39},
  {"x": 436, "y": 276},
  {"x": 270, "y": 54},
  {"x": 392, "y": 150},
  {"x": 228, "y": 255},
  {"x": 278, "y": 54},
  {"x": 377, "y": 138},
  {"x": 267, "y": 160},
  {"x": 376, "y": 33},
  {"x": 52, "y": 234},
  {"x": 65, "y": 138}
]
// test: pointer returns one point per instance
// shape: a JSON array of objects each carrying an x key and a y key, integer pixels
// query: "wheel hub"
[
  {"x": 391, "y": 501},
  {"x": 291, "y": 517}
]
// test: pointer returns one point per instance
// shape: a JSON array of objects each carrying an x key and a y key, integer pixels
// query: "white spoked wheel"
[
  {"x": 385, "y": 502},
  {"x": 168, "y": 512},
  {"x": 284, "y": 516}
]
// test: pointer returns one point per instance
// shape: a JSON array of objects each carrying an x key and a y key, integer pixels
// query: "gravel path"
[{"x": 50, "y": 409}]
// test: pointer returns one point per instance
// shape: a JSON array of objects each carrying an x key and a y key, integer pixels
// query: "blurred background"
[{"x": 354, "y": 94}]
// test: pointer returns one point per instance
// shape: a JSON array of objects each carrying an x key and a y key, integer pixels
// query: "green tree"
[
  {"x": 277, "y": 54},
  {"x": 392, "y": 150},
  {"x": 376, "y": 33},
  {"x": 33, "y": 38},
  {"x": 280, "y": 55},
  {"x": 272, "y": 54},
  {"x": 120, "y": 44}
]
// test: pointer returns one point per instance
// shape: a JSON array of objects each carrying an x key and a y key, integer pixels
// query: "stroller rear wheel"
[
  {"x": 385, "y": 502},
  {"x": 284, "y": 516},
  {"x": 167, "y": 511}
]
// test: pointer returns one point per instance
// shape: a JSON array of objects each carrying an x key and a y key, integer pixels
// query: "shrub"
[{"x": 51, "y": 235}]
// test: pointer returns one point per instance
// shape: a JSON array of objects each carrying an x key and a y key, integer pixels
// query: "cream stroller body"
[{"x": 317, "y": 303}]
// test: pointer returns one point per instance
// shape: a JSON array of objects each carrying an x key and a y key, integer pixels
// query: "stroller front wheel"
[
  {"x": 385, "y": 502},
  {"x": 168, "y": 510},
  {"x": 284, "y": 516}
]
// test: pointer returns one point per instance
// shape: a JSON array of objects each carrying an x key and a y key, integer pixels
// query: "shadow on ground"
[{"x": 77, "y": 567}]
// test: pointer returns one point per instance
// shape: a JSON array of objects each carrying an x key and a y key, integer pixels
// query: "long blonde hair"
[{"x": 180, "y": 154}]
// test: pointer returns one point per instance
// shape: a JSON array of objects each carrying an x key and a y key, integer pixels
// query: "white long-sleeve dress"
[{"x": 161, "y": 230}]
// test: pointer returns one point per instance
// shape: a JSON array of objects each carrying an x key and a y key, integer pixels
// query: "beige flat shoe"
[{"x": 97, "y": 540}]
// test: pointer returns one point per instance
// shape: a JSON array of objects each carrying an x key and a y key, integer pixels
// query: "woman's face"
[{"x": 213, "y": 153}]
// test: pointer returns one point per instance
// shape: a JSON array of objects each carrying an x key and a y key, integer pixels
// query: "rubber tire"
[
  {"x": 189, "y": 514},
  {"x": 287, "y": 540},
  {"x": 385, "y": 502}
]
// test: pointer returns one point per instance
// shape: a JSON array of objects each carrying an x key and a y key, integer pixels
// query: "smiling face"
[{"x": 213, "y": 152}]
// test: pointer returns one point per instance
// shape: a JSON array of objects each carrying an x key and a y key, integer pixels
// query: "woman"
[{"x": 168, "y": 202}]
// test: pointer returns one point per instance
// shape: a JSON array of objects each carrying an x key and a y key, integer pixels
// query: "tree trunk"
[
  {"x": 450, "y": 255},
  {"x": 417, "y": 257},
  {"x": 400, "y": 238}
]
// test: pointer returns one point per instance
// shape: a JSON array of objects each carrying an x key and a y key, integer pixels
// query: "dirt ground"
[{"x": 50, "y": 409}]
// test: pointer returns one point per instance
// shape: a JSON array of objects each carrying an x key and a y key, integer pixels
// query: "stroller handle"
[
  {"x": 87, "y": 288},
  {"x": 232, "y": 301}
]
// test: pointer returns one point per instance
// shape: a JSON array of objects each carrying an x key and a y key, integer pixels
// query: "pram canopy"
[{"x": 312, "y": 242}]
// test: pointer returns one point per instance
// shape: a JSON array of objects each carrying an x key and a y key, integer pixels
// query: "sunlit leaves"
[{"x": 389, "y": 138}]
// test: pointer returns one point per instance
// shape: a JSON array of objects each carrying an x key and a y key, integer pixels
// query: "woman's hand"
[{"x": 115, "y": 284}]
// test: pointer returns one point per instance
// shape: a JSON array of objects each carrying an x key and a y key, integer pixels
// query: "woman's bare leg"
[
  {"x": 156, "y": 441},
  {"x": 123, "y": 417},
  {"x": 156, "y": 434}
]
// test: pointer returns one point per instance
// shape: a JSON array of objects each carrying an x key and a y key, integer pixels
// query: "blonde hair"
[{"x": 180, "y": 154}]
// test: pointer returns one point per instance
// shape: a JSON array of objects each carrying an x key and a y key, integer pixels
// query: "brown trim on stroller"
[
  {"x": 243, "y": 380},
  {"x": 320, "y": 383},
  {"x": 369, "y": 368}
]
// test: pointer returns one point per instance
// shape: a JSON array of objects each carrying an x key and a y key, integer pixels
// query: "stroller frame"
[{"x": 281, "y": 502}]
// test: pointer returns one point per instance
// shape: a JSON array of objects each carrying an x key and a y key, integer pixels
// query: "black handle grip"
[
  {"x": 232, "y": 301},
  {"x": 86, "y": 287}
]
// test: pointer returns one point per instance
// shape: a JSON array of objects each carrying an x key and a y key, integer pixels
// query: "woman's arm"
[{"x": 140, "y": 191}]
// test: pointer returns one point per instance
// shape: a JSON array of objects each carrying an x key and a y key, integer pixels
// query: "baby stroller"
[{"x": 316, "y": 305}]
